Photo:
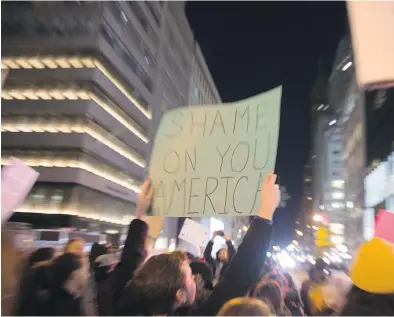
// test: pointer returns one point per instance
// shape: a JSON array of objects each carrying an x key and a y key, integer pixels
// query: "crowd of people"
[{"x": 242, "y": 282}]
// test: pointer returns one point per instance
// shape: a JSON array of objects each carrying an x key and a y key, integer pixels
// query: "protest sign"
[
  {"x": 385, "y": 225},
  {"x": 194, "y": 233},
  {"x": 211, "y": 160},
  {"x": 373, "y": 42},
  {"x": 16, "y": 181}
]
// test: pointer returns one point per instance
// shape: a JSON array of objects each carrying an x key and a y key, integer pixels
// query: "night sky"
[{"x": 251, "y": 47}]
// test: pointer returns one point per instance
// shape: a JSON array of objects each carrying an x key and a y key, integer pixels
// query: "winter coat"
[{"x": 242, "y": 273}]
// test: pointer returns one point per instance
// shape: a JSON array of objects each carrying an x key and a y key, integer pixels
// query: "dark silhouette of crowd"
[{"x": 242, "y": 282}]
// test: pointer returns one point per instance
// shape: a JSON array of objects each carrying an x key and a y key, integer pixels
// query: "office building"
[
  {"x": 348, "y": 105},
  {"x": 88, "y": 84}
]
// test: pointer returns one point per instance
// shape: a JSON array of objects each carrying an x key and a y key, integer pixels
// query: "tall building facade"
[
  {"x": 347, "y": 101},
  {"x": 88, "y": 84}
]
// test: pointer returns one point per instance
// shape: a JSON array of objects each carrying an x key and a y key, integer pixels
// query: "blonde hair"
[{"x": 245, "y": 306}]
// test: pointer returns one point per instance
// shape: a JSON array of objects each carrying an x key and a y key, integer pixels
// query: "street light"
[
  {"x": 300, "y": 233},
  {"x": 318, "y": 218}
]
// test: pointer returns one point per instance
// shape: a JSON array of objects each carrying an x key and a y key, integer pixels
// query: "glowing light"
[
  {"x": 318, "y": 218},
  {"x": 300, "y": 233}
]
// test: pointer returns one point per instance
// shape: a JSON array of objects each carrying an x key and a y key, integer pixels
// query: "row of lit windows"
[
  {"x": 39, "y": 159},
  {"x": 64, "y": 125},
  {"x": 73, "y": 94},
  {"x": 52, "y": 62}
]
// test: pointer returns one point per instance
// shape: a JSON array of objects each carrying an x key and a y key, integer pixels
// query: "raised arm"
[{"x": 248, "y": 263}]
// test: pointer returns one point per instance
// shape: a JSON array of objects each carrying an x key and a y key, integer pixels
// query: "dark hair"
[
  {"x": 96, "y": 251},
  {"x": 62, "y": 267},
  {"x": 362, "y": 303},
  {"x": 205, "y": 270},
  {"x": 156, "y": 284},
  {"x": 270, "y": 291},
  {"x": 190, "y": 256},
  {"x": 289, "y": 279},
  {"x": 40, "y": 255}
]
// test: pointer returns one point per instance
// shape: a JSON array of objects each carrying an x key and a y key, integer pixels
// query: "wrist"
[{"x": 265, "y": 214}]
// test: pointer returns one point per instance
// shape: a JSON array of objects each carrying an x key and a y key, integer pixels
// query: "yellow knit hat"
[{"x": 373, "y": 267}]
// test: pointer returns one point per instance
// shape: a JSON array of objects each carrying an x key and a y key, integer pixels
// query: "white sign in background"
[{"x": 194, "y": 233}]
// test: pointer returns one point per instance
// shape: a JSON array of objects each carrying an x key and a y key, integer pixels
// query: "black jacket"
[
  {"x": 244, "y": 269},
  {"x": 62, "y": 303},
  {"x": 109, "y": 291},
  {"x": 33, "y": 292},
  {"x": 214, "y": 262}
]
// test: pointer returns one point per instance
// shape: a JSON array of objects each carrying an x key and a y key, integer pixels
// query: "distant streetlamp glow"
[
  {"x": 318, "y": 218},
  {"x": 332, "y": 122},
  {"x": 300, "y": 233}
]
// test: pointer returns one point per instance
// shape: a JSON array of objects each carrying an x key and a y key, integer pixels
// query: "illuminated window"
[
  {"x": 76, "y": 94},
  {"x": 72, "y": 62},
  {"x": 338, "y": 195},
  {"x": 337, "y": 184},
  {"x": 67, "y": 160}
]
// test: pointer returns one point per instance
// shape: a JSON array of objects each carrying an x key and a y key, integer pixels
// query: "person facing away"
[
  {"x": 67, "y": 280},
  {"x": 271, "y": 293},
  {"x": 223, "y": 256},
  {"x": 165, "y": 282},
  {"x": 245, "y": 306},
  {"x": 372, "y": 274},
  {"x": 292, "y": 300},
  {"x": 34, "y": 285}
]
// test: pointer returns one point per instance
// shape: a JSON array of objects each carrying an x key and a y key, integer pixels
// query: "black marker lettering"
[
  {"x": 247, "y": 156},
  {"x": 267, "y": 156},
  {"x": 178, "y": 125},
  {"x": 218, "y": 115},
  {"x": 242, "y": 116},
  {"x": 159, "y": 193},
  {"x": 193, "y": 124},
  {"x": 193, "y": 164},
  {"x": 177, "y": 159},
  {"x": 235, "y": 188},
  {"x": 222, "y": 156},
  {"x": 210, "y": 193},
  {"x": 258, "y": 191},
  {"x": 191, "y": 195},
  {"x": 226, "y": 195},
  {"x": 178, "y": 186}
]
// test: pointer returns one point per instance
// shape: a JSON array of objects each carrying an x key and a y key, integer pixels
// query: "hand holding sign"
[
  {"x": 144, "y": 199},
  {"x": 211, "y": 160},
  {"x": 270, "y": 196}
]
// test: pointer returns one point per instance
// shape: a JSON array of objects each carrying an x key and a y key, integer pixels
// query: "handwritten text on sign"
[{"x": 211, "y": 160}]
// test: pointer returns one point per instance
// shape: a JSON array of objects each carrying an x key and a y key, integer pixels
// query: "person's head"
[
  {"x": 190, "y": 257},
  {"x": 269, "y": 291},
  {"x": 204, "y": 270},
  {"x": 245, "y": 306},
  {"x": 222, "y": 255},
  {"x": 75, "y": 246},
  {"x": 113, "y": 249},
  {"x": 318, "y": 272},
  {"x": 40, "y": 256},
  {"x": 96, "y": 251},
  {"x": 67, "y": 272},
  {"x": 164, "y": 283}
]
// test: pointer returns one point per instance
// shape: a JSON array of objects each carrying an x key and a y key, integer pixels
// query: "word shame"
[{"x": 211, "y": 160}]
